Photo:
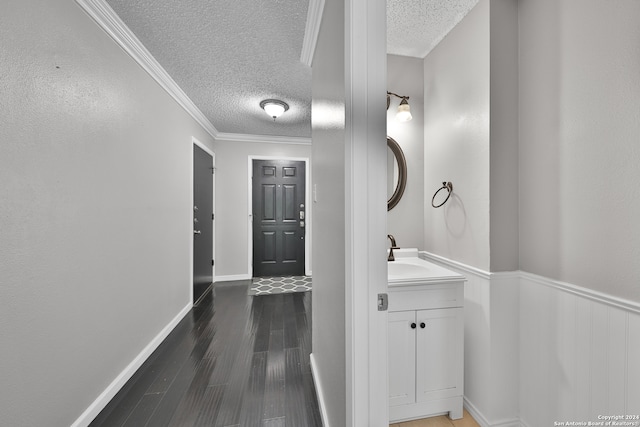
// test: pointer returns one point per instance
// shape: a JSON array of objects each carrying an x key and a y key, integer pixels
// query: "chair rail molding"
[{"x": 544, "y": 343}]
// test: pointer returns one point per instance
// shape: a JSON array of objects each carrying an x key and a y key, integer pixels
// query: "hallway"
[{"x": 235, "y": 360}]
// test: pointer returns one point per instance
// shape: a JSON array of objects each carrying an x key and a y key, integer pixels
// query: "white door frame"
[
  {"x": 366, "y": 213},
  {"x": 194, "y": 142},
  {"x": 308, "y": 214}
]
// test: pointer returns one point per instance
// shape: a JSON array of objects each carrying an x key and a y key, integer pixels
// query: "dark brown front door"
[
  {"x": 202, "y": 222},
  {"x": 278, "y": 217}
]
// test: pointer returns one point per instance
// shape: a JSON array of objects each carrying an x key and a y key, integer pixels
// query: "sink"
[
  {"x": 400, "y": 269},
  {"x": 409, "y": 269}
]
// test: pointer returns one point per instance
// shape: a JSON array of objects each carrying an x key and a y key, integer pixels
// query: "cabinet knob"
[
  {"x": 413, "y": 325},
  {"x": 422, "y": 325}
]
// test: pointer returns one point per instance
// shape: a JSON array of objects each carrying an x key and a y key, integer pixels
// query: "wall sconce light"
[
  {"x": 274, "y": 107},
  {"x": 404, "y": 110}
]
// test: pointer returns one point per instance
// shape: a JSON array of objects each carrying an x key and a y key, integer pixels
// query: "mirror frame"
[{"x": 402, "y": 173}]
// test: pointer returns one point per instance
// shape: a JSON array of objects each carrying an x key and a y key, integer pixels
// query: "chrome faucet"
[{"x": 393, "y": 246}]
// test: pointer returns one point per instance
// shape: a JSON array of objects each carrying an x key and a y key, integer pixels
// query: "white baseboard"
[
  {"x": 475, "y": 413},
  {"x": 105, "y": 397},
  {"x": 319, "y": 391},
  {"x": 233, "y": 277},
  {"x": 482, "y": 420}
]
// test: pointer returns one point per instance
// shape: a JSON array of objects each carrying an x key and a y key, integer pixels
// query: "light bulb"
[
  {"x": 274, "y": 110},
  {"x": 404, "y": 111},
  {"x": 273, "y": 107}
]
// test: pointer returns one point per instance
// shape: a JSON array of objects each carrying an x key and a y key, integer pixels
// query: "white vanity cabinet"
[{"x": 426, "y": 339}]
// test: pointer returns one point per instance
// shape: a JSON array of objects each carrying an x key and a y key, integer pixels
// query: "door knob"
[
  {"x": 413, "y": 325},
  {"x": 422, "y": 325},
  {"x": 197, "y": 232}
]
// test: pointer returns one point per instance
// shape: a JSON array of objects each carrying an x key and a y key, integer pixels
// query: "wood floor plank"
[
  {"x": 210, "y": 408},
  {"x": 295, "y": 410},
  {"x": 253, "y": 399},
  {"x": 277, "y": 318},
  {"x": 143, "y": 410},
  {"x": 274, "y": 422},
  {"x": 234, "y": 360},
  {"x": 290, "y": 325},
  {"x": 187, "y": 411}
]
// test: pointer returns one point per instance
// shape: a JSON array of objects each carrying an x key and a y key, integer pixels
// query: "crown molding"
[
  {"x": 311, "y": 31},
  {"x": 268, "y": 139},
  {"x": 111, "y": 23}
]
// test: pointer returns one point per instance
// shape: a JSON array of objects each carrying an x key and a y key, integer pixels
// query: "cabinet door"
[
  {"x": 402, "y": 357},
  {"x": 439, "y": 353}
]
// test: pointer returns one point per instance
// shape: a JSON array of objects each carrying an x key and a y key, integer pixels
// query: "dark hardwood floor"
[{"x": 234, "y": 360}]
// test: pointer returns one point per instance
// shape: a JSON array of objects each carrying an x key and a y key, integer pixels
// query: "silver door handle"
[{"x": 197, "y": 232}]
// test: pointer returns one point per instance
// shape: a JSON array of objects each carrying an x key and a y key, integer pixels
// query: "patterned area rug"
[{"x": 279, "y": 285}]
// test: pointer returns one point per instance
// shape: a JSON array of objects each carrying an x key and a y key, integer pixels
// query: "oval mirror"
[{"x": 396, "y": 173}]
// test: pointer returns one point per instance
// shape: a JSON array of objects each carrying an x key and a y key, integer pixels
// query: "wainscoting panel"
[
  {"x": 633, "y": 362},
  {"x": 578, "y": 355},
  {"x": 490, "y": 343},
  {"x": 619, "y": 325},
  {"x": 539, "y": 351}
]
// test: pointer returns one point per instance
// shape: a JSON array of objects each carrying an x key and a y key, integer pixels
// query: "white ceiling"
[
  {"x": 227, "y": 56},
  {"x": 414, "y": 27}
]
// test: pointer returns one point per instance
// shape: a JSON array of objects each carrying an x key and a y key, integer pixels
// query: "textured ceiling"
[
  {"x": 414, "y": 27},
  {"x": 227, "y": 56}
]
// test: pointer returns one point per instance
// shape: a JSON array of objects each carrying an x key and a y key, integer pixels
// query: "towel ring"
[{"x": 445, "y": 186}]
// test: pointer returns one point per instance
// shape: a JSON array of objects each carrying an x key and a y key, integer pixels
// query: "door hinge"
[
  {"x": 213, "y": 262},
  {"x": 213, "y": 217},
  {"x": 383, "y": 302}
]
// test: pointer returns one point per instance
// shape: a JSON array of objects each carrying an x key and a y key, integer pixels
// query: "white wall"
[
  {"x": 471, "y": 139},
  {"x": 456, "y": 141},
  {"x": 349, "y": 358},
  {"x": 232, "y": 199},
  {"x": 503, "y": 166},
  {"x": 406, "y": 220},
  {"x": 579, "y": 133},
  {"x": 576, "y": 123},
  {"x": 328, "y": 227},
  {"x": 471, "y": 130},
  {"x": 95, "y": 219}
]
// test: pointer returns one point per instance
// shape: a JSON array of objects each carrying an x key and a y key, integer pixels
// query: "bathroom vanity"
[{"x": 426, "y": 338}]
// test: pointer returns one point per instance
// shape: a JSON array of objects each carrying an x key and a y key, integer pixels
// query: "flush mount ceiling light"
[
  {"x": 404, "y": 110},
  {"x": 274, "y": 107}
]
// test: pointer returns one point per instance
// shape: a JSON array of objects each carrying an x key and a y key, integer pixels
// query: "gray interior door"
[
  {"x": 202, "y": 222},
  {"x": 278, "y": 217}
]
